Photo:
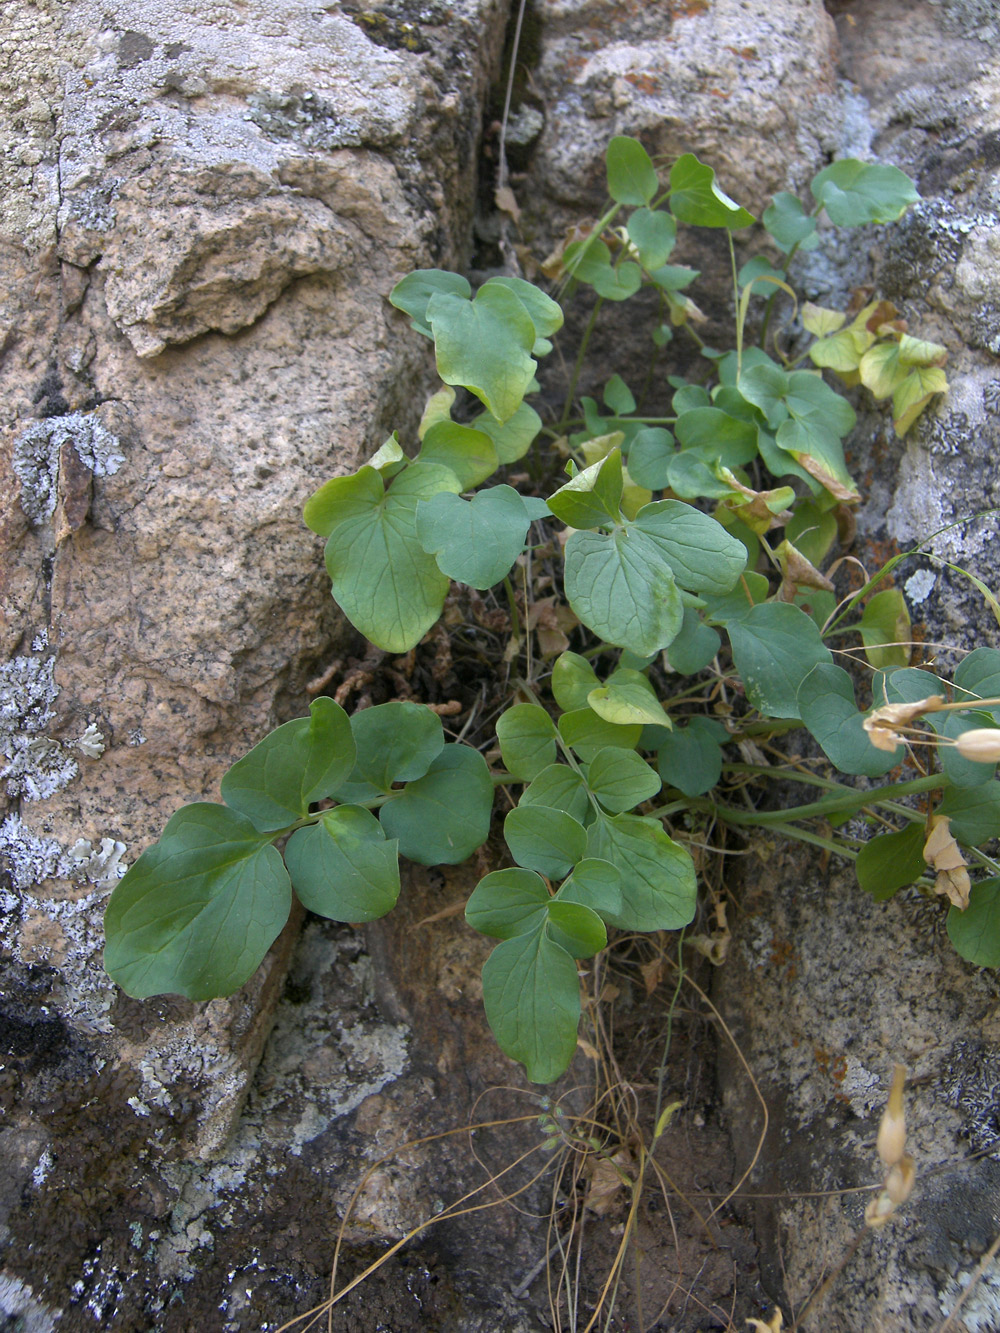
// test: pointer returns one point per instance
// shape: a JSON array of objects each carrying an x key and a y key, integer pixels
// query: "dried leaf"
[
  {"x": 506, "y": 202},
  {"x": 607, "y": 1179},
  {"x": 943, "y": 853}
]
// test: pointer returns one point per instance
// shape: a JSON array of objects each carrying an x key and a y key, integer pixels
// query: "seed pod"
[
  {"x": 981, "y": 745},
  {"x": 891, "y": 1141}
]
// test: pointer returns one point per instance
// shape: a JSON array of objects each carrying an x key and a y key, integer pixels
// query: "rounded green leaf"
[
  {"x": 514, "y": 438},
  {"x": 382, "y": 578},
  {"x": 690, "y": 758},
  {"x": 578, "y": 929},
  {"x": 532, "y": 997},
  {"x": 474, "y": 541},
  {"x": 653, "y": 233},
  {"x": 695, "y": 646},
  {"x": 855, "y": 193},
  {"x": 649, "y": 457},
  {"x": 469, "y": 453},
  {"x": 789, "y": 223},
  {"x": 545, "y": 314},
  {"x": 626, "y": 697},
  {"x": 719, "y": 435},
  {"x": 974, "y": 811},
  {"x": 975, "y": 932},
  {"x": 343, "y": 867},
  {"x": 595, "y": 884},
  {"x": 442, "y": 817},
  {"x": 621, "y": 587},
  {"x": 527, "y": 740},
  {"x": 298, "y": 763},
  {"x": 885, "y": 629},
  {"x": 765, "y": 386},
  {"x": 396, "y": 742},
  {"x": 659, "y": 885},
  {"x": 485, "y": 345},
  {"x": 695, "y": 197},
  {"x": 587, "y": 733},
  {"x": 701, "y": 553},
  {"x": 198, "y": 911},
  {"x": 910, "y": 684},
  {"x": 560, "y": 788},
  {"x": 412, "y": 294},
  {"x": 632, "y": 177},
  {"x": 508, "y": 903},
  {"x": 775, "y": 646},
  {"x": 544, "y": 839},
  {"x": 826, "y": 705},
  {"x": 978, "y": 677},
  {"x": 572, "y": 680},
  {"x": 890, "y": 861},
  {"x": 621, "y": 780}
]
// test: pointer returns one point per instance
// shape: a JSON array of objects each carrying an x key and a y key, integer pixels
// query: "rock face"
[{"x": 204, "y": 208}]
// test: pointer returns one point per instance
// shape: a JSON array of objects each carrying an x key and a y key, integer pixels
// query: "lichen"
[
  {"x": 31, "y": 857},
  {"x": 36, "y": 457},
  {"x": 308, "y": 119},
  {"x": 37, "y": 766}
]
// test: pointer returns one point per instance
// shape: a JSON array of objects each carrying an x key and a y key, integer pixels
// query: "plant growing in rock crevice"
[{"x": 693, "y": 631}]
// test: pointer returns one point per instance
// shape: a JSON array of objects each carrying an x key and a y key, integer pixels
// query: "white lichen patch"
[
  {"x": 37, "y": 766},
  {"x": 91, "y": 743},
  {"x": 101, "y": 865},
  {"x": 981, "y": 1311},
  {"x": 19, "y": 1306},
  {"x": 918, "y": 586},
  {"x": 31, "y": 857},
  {"x": 36, "y": 457}
]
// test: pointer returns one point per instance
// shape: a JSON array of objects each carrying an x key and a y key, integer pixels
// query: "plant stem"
[{"x": 578, "y": 366}]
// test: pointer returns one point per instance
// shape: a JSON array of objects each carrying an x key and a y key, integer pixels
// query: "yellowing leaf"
[
  {"x": 880, "y": 369},
  {"x": 914, "y": 393},
  {"x": 820, "y": 320}
]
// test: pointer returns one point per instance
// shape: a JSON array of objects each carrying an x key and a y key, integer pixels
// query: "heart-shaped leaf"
[{"x": 343, "y": 867}]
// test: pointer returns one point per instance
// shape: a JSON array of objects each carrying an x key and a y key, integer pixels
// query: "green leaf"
[
  {"x": 978, "y": 677},
  {"x": 775, "y": 646},
  {"x": 695, "y": 197},
  {"x": 750, "y": 591},
  {"x": 442, "y": 818},
  {"x": 649, "y": 457},
  {"x": 627, "y": 696},
  {"x": 659, "y": 886},
  {"x": 974, "y": 811},
  {"x": 298, "y": 763},
  {"x": 474, "y": 541},
  {"x": 885, "y": 630},
  {"x": 485, "y": 345},
  {"x": 343, "y": 867},
  {"x": 198, "y": 911},
  {"x": 508, "y": 903},
  {"x": 572, "y": 680},
  {"x": 383, "y": 580},
  {"x": 789, "y": 224},
  {"x": 856, "y": 193},
  {"x": 891, "y": 861},
  {"x": 594, "y": 884},
  {"x": 765, "y": 385},
  {"x": 586, "y": 733},
  {"x": 590, "y": 261},
  {"x": 543, "y": 839},
  {"x": 514, "y": 438},
  {"x": 812, "y": 531},
  {"x": 653, "y": 233},
  {"x": 690, "y": 758},
  {"x": 695, "y": 646},
  {"x": 545, "y": 314},
  {"x": 396, "y": 742},
  {"x": 592, "y": 498},
  {"x": 560, "y": 788},
  {"x": 618, "y": 396},
  {"x": 577, "y": 929},
  {"x": 975, "y": 932},
  {"x": 413, "y": 293},
  {"x": 723, "y": 437},
  {"x": 820, "y": 452},
  {"x": 674, "y": 277},
  {"x": 827, "y": 707},
  {"x": 389, "y": 458},
  {"x": 622, "y": 588},
  {"x": 527, "y": 740},
  {"x": 621, "y": 780},
  {"x": 469, "y": 453},
  {"x": 632, "y": 177},
  {"x": 810, "y": 399},
  {"x": 703, "y": 556},
  {"x": 532, "y": 996}
]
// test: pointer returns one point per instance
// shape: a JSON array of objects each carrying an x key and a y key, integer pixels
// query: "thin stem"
[
  {"x": 515, "y": 48},
  {"x": 515, "y": 619},
  {"x": 578, "y": 367},
  {"x": 736, "y": 300}
]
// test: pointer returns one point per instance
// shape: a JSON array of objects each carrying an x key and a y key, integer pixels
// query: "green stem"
[
  {"x": 515, "y": 619},
  {"x": 578, "y": 367},
  {"x": 736, "y": 300}
]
